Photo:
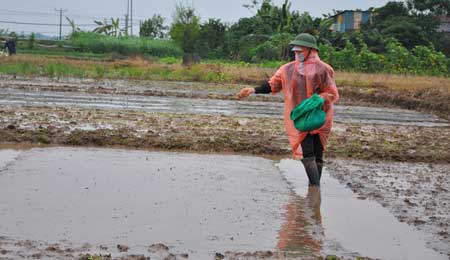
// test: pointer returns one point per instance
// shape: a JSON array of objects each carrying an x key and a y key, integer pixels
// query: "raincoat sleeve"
[
  {"x": 276, "y": 82},
  {"x": 328, "y": 89}
]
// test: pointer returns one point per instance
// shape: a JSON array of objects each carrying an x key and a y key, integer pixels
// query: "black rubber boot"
[
  {"x": 312, "y": 171},
  {"x": 319, "y": 163}
]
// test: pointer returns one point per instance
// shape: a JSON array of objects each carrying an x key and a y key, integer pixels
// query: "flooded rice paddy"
[
  {"x": 72, "y": 203},
  {"x": 349, "y": 114},
  {"x": 60, "y": 203}
]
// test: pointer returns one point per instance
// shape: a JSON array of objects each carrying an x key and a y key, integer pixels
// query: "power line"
[
  {"x": 25, "y": 12},
  {"x": 93, "y": 16},
  {"x": 43, "y": 24}
]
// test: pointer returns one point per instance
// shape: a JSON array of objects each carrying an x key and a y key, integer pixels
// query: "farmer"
[
  {"x": 10, "y": 47},
  {"x": 298, "y": 80}
]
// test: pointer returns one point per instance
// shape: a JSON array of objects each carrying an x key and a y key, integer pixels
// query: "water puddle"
[
  {"x": 7, "y": 156},
  {"x": 195, "y": 204},
  {"x": 352, "y": 226},
  {"x": 86, "y": 199},
  {"x": 352, "y": 114}
]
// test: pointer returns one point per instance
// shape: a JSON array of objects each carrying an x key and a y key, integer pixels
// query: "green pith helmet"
[{"x": 306, "y": 40}]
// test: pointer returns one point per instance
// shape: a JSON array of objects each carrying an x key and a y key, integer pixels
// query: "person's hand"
[{"x": 245, "y": 92}]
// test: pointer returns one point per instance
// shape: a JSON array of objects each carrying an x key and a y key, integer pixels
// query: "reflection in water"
[
  {"x": 303, "y": 218},
  {"x": 373, "y": 231},
  {"x": 314, "y": 200}
]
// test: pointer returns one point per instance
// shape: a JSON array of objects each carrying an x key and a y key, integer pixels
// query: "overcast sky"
[{"x": 85, "y": 11}]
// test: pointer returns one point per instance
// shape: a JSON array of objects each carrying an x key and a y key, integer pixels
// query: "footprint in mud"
[
  {"x": 123, "y": 248},
  {"x": 158, "y": 248},
  {"x": 134, "y": 257}
]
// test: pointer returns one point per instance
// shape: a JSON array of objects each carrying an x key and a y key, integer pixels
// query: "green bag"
[{"x": 309, "y": 114}]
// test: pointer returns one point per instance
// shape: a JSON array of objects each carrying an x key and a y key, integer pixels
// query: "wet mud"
[
  {"x": 204, "y": 133},
  {"x": 415, "y": 193},
  {"x": 134, "y": 87},
  {"x": 346, "y": 114},
  {"x": 352, "y": 226}
]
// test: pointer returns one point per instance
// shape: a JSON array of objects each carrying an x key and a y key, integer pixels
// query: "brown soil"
[
  {"x": 202, "y": 133},
  {"x": 435, "y": 100}
]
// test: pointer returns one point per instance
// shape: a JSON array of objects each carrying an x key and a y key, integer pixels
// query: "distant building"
[
  {"x": 445, "y": 24},
  {"x": 349, "y": 20}
]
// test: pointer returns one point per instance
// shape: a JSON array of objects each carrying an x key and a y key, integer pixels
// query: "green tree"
[
  {"x": 153, "y": 27},
  {"x": 185, "y": 31},
  {"x": 212, "y": 35},
  {"x": 281, "y": 43},
  {"x": 397, "y": 21},
  {"x": 391, "y": 9},
  {"x": 435, "y": 7},
  {"x": 398, "y": 58},
  {"x": 31, "y": 41},
  {"x": 245, "y": 34}
]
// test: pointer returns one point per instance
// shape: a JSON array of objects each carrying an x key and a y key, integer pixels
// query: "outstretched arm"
[
  {"x": 274, "y": 85},
  {"x": 263, "y": 89}
]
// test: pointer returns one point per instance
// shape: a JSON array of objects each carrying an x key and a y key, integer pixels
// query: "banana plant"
[
  {"x": 103, "y": 27},
  {"x": 286, "y": 17},
  {"x": 115, "y": 30},
  {"x": 73, "y": 25}
]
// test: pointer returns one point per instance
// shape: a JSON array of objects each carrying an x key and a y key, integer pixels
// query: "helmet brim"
[{"x": 304, "y": 44}]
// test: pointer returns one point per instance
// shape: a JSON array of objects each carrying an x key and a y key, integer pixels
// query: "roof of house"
[{"x": 345, "y": 11}]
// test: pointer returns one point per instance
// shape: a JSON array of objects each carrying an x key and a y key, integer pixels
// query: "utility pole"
[
  {"x": 131, "y": 22},
  {"x": 61, "y": 11},
  {"x": 127, "y": 17}
]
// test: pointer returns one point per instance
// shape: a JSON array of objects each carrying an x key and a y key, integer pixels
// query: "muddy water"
[
  {"x": 7, "y": 156},
  {"x": 352, "y": 226},
  {"x": 352, "y": 114},
  {"x": 194, "y": 204}
]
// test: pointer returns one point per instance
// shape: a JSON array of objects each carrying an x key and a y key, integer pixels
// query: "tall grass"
[
  {"x": 215, "y": 71},
  {"x": 95, "y": 43}
]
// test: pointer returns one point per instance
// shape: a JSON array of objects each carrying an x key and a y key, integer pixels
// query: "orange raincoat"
[{"x": 297, "y": 85}]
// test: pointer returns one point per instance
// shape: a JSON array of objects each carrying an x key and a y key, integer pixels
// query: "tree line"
[{"x": 266, "y": 35}]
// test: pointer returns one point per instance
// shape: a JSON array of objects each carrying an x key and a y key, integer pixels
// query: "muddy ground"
[
  {"x": 417, "y": 194},
  {"x": 433, "y": 100},
  {"x": 213, "y": 133}
]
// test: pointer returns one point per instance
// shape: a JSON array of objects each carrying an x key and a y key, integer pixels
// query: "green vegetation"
[
  {"x": 403, "y": 38},
  {"x": 421, "y": 60},
  {"x": 96, "y": 43},
  {"x": 185, "y": 31},
  {"x": 153, "y": 27}
]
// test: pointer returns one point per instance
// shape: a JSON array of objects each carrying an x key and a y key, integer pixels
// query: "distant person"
[
  {"x": 10, "y": 46},
  {"x": 299, "y": 80}
]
